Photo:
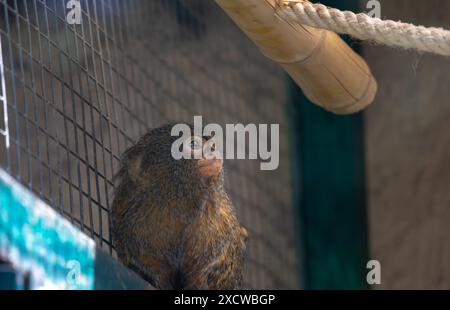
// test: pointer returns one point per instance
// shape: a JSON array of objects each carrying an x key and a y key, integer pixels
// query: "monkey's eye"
[{"x": 194, "y": 145}]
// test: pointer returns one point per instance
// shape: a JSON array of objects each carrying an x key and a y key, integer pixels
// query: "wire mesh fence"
[{"x": 74, "y": 97}]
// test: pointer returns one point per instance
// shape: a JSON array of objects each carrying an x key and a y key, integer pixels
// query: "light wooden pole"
[{"x": 329, "y": 72}]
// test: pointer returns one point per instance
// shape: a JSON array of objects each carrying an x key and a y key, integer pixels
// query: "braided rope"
[{"x": 361, "y": 26}]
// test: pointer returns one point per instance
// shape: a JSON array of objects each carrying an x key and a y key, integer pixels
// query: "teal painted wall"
[{"x": 329, "y": 192}]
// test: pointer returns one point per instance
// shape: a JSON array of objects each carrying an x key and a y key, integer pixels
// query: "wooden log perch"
[{"x": 329, "y": 72}]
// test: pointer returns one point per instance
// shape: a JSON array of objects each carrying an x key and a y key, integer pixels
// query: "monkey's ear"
[{"x": 134, "y": 167}]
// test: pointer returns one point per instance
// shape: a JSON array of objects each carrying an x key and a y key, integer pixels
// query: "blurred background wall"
[{"x": 407, "y": 141}]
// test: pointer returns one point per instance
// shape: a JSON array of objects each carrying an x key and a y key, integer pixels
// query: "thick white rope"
[{"x": 364, "y": 27}]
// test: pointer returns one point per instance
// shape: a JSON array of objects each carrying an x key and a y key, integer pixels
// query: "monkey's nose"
[
  {"x": 210, "y": 150},
  {"x": 213, "y": 146}
]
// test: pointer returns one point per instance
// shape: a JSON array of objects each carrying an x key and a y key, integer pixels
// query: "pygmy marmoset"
[{"x": 172, "y": 221}]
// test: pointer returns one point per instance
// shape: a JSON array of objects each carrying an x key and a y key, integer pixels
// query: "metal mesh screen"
[{"x": 76, "y": 96}]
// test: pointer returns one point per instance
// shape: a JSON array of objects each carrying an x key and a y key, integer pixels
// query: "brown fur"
[{"x": 174, "y": 227}]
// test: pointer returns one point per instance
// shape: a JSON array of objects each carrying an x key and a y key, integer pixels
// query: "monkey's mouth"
[{"x": 210, "y": 167}]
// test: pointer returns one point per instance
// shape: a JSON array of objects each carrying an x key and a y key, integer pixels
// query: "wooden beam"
[{"x": 327, "y": 70}]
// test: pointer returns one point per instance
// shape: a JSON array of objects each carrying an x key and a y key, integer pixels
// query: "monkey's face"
[{"x": 209, "y": 163}]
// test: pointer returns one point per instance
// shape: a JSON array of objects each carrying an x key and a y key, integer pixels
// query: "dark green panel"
[
  {"x": 112, "y": 275},
  {"x": 329, "y": 181},
  {"x": 8, "y": 277}
]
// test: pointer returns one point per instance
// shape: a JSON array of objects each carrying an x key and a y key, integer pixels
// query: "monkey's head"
[{"x": 150, "y": 168}]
